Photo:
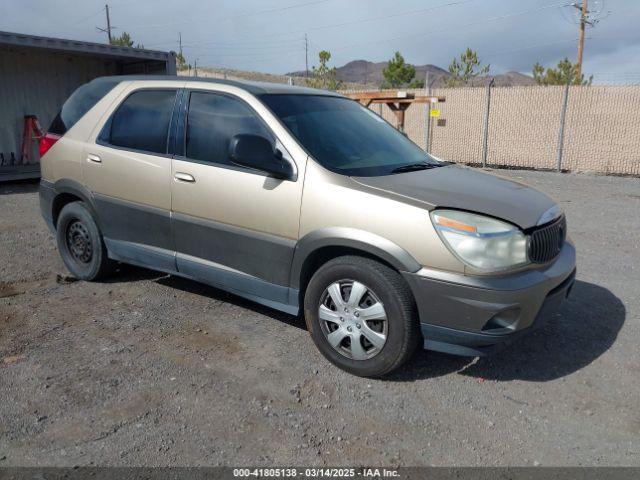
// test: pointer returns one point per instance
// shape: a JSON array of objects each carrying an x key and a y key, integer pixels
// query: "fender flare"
[
  {"x": 368, "y": 242},
  {"x": 75, "y": 188}
]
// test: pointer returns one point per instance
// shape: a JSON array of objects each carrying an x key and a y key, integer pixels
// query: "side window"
[
  {"x": 141, "y": 122},
  {"x": 80, "y": 102},
  {"x": 211, "y": 122}
]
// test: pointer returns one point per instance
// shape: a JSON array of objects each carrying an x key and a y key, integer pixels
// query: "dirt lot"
[{"x": 154, "y": 370}]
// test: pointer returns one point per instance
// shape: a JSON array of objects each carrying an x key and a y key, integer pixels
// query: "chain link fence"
[{"x": 568, "y": 128}]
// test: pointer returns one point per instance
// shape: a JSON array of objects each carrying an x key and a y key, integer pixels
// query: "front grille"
[{"x": 546, "y": 242}]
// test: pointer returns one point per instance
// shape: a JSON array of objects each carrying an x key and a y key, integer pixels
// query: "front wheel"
[{"x": 361, "y": 316}]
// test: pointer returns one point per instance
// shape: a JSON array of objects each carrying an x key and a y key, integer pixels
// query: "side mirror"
[{"x": 256, "y": 152}]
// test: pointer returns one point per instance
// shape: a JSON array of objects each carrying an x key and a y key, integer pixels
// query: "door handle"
[
  {"x": 94, "y": 158},
  {"x": 184, "y": 177}
]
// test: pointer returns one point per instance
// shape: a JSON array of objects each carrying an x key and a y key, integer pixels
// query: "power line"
[
  {"x": 84, "y": 19},
  {"x": 393, "y": 15},
  {"x": 348, "y": 23},
  {"x": 233, "y": 44},
  {"x": 234, "y": 17},
  {"x": 451, "y": 29},
  {"x": 294, "y": 49},
  {"x": 530, "y": 47},
  {"x": 445, "y": 29},
  {"x": 279, "y": 9},
  {"x": 298, "y": 44}
]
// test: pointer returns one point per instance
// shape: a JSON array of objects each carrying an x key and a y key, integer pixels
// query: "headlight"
[{"x": 481, "y": 242}]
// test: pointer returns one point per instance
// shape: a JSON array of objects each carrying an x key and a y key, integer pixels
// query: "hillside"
[
  {"x": 360, "y": 74},
  {"x": 231, "y": 74},
  {"x": 370, "y": 73}
]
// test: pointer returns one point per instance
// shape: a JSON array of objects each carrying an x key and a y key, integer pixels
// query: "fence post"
[
  {"x": 427, "y": 132},
  {"x": 563, "y": 113},
  {"x": 485, "y": 139}
]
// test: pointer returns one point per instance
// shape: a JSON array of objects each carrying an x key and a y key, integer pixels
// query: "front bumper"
[{"x": 479, "y": 315}]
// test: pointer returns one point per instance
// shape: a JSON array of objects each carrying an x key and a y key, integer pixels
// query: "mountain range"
[{"x": 370, "y": 73}]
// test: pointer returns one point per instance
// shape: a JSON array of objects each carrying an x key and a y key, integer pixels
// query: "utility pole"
[
  {"x": 427, "y": 131},
  {"x": 583, "y": 24},
  {"x": 109, "y": 27},
  {"x": 106, "y": 9},
  {"x": 180, "y": 42},
  {"x": 306, "y": 56}
]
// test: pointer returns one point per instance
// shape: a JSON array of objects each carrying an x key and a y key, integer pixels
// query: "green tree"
[
  {"x": 399, "y": 74},
  {"x": 465, "y": 69},
  {"x": 124, "y": 40},
  {"x": 323, "y": 76},
  {"x": 181, "y": 63},
  {"x": 565, "y": 73}
]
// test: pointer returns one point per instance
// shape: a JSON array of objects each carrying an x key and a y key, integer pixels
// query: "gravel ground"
[{"x": 154, "y": 370}]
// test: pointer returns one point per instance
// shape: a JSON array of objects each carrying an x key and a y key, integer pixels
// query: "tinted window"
[
  {"x": 344, "y": 136},
  {"x": 80, "y": 102},
  {"x": 142, "y": 121},
  {"x": 213, "y": 119}
]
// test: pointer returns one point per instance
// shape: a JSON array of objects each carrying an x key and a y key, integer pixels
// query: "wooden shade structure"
[{"x": 398, "y": 102}]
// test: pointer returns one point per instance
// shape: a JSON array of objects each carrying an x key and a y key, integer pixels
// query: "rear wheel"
[
  {"x": 80, "y": 243},
  {"x": 361, "y": 316}
]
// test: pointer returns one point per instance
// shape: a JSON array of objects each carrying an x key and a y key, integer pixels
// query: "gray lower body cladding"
[
  {"x": 249, "y": 264},
  {"x": 47, "y": 193},
  {"x": 459, "y": 314},
  {"x": 477, "y": 316},
  {"x": 258, "y": 254}
]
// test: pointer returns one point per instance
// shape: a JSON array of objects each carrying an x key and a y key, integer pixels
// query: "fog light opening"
[{"x": 503, "y": 322}]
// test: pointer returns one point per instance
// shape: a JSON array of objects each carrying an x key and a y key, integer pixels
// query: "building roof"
[
  {"x": 80, "y": 47},
  {"x": 255, "y": 88}
]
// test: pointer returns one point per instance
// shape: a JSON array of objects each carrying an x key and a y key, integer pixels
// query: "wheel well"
[
  {"x": 324, "y": 254},
  {"x": 59, "y": 202}
]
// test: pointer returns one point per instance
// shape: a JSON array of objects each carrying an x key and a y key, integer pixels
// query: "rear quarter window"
[{"x": 79, "y": 103}]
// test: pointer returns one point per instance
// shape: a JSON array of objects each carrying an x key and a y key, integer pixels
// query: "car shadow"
[
  {"x": 131, "y": 273},
  {"x": 196, "y": 288},
  {"x": 586, "y": 325},
  {"x": 19, "y": 186}
]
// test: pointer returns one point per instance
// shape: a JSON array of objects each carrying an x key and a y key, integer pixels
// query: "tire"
[
  {"x": 387, "y": 295},
  {"x": 80, "y": 243}
]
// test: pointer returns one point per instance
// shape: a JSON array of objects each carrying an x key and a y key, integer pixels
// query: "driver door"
[{"x": 232, "y": 226}]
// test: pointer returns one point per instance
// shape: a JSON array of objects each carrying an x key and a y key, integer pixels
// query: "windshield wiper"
[{"x": 412, "y": 167}]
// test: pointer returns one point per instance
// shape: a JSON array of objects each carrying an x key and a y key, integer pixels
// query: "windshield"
[{"x": 345, "y": 137}]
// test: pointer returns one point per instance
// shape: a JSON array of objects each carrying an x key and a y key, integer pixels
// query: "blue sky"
[{"x": 268, "y": 35}]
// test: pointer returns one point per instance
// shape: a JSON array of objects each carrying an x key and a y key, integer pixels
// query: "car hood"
[{"x": 463, "y": 188}]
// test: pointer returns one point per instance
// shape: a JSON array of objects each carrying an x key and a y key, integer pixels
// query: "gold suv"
[{"x": 307, "y": 202}]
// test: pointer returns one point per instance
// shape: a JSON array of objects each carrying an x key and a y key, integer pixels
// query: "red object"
[
  {"x": 32, "y": 131},
  {"x": 47, "y": 141}
]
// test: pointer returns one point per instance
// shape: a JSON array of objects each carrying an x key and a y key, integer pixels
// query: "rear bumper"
[{"x": 479, "y": 315}]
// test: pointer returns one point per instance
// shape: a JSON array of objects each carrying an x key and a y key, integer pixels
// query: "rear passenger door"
[
  {"x": 232, "y": 225},
  {"x": 128, "y": 170}
]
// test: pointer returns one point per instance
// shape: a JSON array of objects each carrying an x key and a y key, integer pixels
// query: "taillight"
[{"x": 47, "y": 141}]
